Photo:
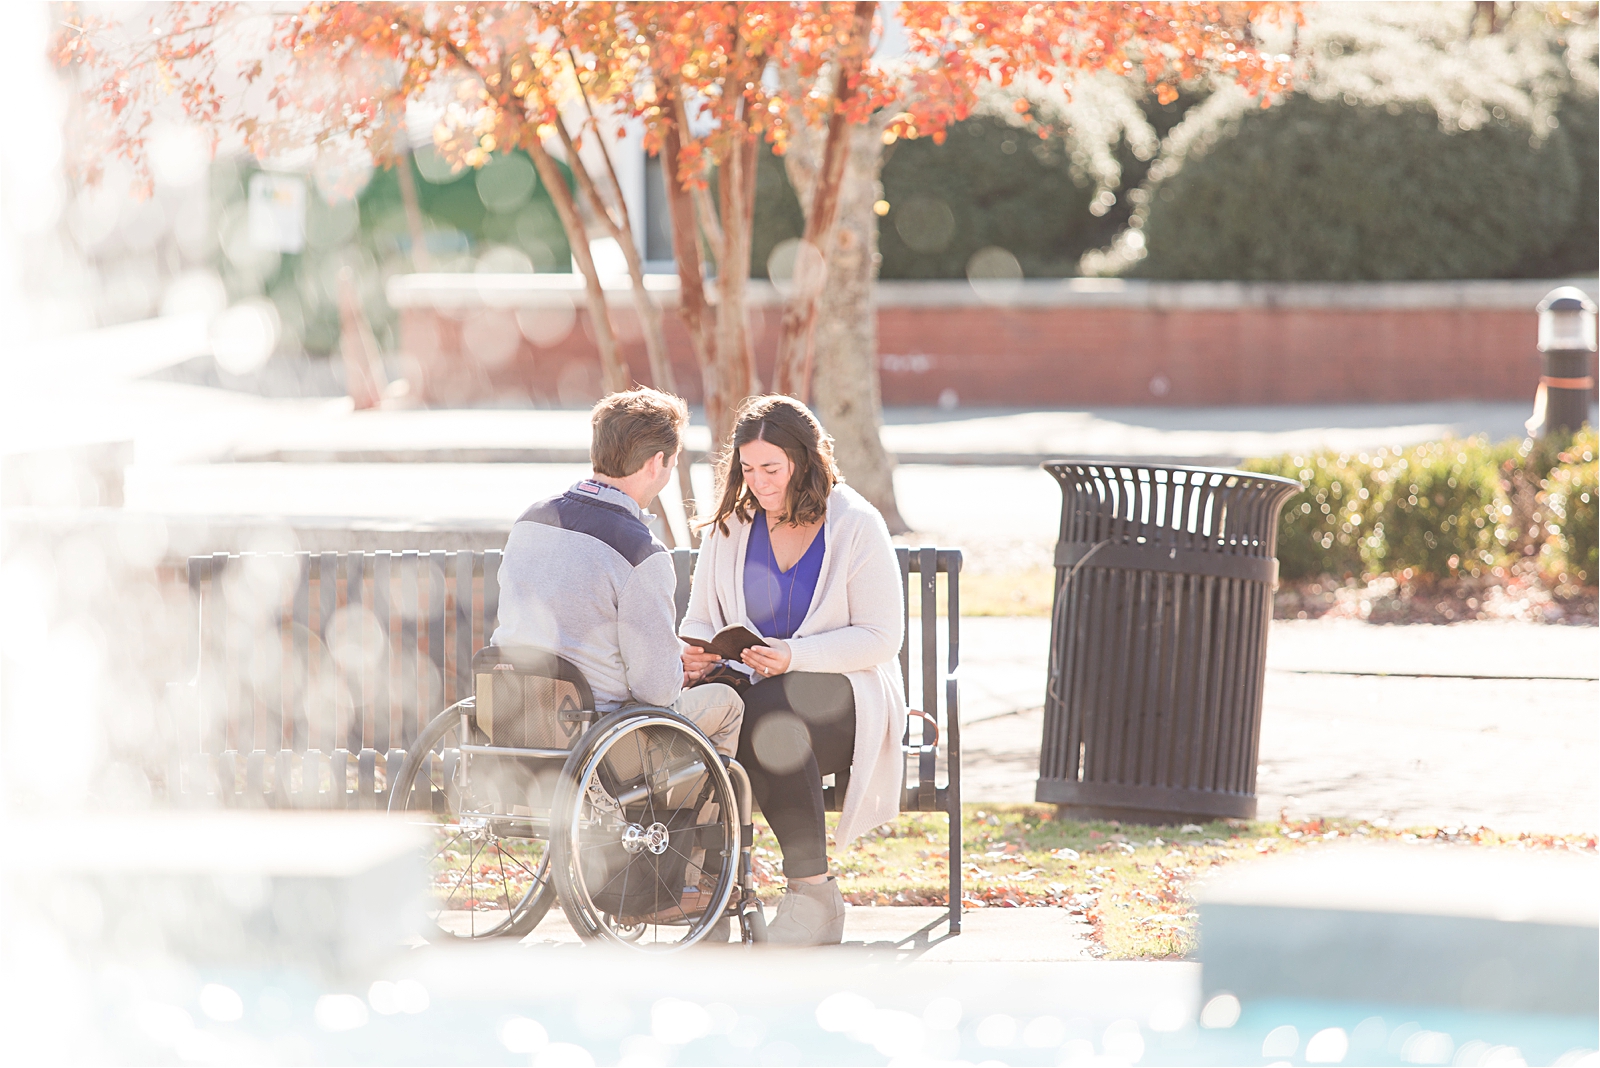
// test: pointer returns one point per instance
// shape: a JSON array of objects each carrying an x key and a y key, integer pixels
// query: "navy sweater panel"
[{"x": 610, "y": 524}]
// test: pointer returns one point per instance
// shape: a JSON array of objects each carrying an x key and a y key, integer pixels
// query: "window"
[{"x": 657, "y": 219}]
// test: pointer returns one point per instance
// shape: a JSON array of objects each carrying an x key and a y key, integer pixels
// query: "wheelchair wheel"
[
  {"x": 487, "y": 878},
  {"x": 644, "y": 833}
]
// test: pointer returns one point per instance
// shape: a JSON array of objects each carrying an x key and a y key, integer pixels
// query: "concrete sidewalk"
[
  {"x": 921, "y": 934},
  {"x": 172, "y": 422},
  {"x": 1419, "y": 725},
  {"x": 1004, "y": 660},
  {"x": 991, "y": 437}
]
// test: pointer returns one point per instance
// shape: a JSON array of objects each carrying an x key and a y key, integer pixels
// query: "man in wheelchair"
[{"x": 583, "y": 577}]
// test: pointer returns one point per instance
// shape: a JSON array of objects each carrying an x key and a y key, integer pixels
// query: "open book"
[{"x": 729, "y": 642}]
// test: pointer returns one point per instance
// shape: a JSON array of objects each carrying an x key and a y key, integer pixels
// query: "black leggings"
[{"x": 797, "y": 728}]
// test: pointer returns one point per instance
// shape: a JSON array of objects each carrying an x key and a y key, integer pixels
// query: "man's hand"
[
  {"x": 696, "y": 662},
  {"x": 767, "y": 660}
]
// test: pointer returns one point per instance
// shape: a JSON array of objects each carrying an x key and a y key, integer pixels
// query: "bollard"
[{"x": 1566, "y": 340}]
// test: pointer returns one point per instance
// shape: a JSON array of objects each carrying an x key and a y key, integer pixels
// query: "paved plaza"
[
  {"x": 1487, "y": 723},
  {"x": 1418, "y": 725}
]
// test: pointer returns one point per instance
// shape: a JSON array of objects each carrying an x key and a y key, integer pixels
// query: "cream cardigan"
[{"x": 854, "y": 627}]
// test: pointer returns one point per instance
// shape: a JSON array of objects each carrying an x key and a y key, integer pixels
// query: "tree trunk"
[
  {"x": 613, "y": 372},
  {"x": 795, "y": 338},
  {"x": 363, "y": 368},
  {"x": 620, "y": 227},
  {"x": 693, "y": 307},
  {"x": 846, "y": 393},
  {"x": 793, "y": 371},
  {"x": 413, "y": 207},
  {"x": 735, "y": 356}
]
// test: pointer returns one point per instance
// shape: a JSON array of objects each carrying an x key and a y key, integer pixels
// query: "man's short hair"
[{"x": 632, "y": 426}]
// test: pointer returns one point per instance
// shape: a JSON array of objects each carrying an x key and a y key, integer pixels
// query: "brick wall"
[{"x": 1073, "y": 343}]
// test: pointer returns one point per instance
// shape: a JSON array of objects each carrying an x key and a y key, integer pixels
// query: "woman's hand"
[
  {"x": 696, "y": 662},
  {"x": 767, "y": 660}
]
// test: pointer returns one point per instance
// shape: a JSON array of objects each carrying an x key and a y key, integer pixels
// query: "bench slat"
[
  {"x": 434, "y": 687},
  {"x": 928, "y": 569},
  {"x": 297, "y": 688},
  {"x": 225, "y": 678},
  {"x": 463, "y": 624},
  {"x": 355, "y": 644},
  {"x": 903, "y": 557},
  {"x": 491, "y": 594},
  {"x": 189, "y": 732},
  {"x": 366, "y": 779},
  {"x": 322, "y": 699},
  {"x": 327, "y": 702},
  {"x": 682, "y": 567},
  {"x": 383, "y": 663},
  {"x": 410, "y": 699}
]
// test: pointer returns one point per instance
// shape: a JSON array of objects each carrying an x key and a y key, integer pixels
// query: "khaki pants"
[{"x": 717, "y": 710}]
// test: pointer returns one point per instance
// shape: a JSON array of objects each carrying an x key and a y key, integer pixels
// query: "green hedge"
[
  {"x": 990, "y": 183},
  {"x": 1324, "y": 190},
  {"x": 1413, "y": 146},
  {"x": 1320, "y": 528},
  {"x": 1573, "y": 494},
  {"x": 1439, "y": 510},
  {"x": 502, "y": 204},
  {"x": 1411, "y": 149}
]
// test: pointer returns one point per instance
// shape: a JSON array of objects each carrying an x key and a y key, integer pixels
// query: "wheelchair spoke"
[
  {"x": 649, "y": 774},
  {"x": 517, "y": 861},
  {"x": 505, "y": 882},
  {"x": 465, "y": 871},
  {"x": 672, "y": 895},
  {"x": 501, "y": 884},
  {"x": 446, "y": 847},
  {"x": 464, "y": 874},
  {"x": 615, "y": 884}
]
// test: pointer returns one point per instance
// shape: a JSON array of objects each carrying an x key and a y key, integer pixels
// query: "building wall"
[{"x": 1079, "y": 343}]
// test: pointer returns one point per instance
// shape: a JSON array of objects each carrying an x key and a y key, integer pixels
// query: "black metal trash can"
[{"x": 1158, "y": 640}]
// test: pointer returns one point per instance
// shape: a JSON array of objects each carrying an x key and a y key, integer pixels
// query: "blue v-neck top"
[{"x": 778, "y": 600}]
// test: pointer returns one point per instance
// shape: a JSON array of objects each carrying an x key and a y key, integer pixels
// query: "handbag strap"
[{"x": 930, "y": 721}]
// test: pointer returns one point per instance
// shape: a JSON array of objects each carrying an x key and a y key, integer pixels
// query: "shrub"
[
  {"x": 990, "y": 183},
  {"x": 1438, "y": 511},
  {"x": 1523, "y": 471},
  {"x": 1409, "y": 150},
  {"x": 1322, "y": 190},
  {"x": 1320, "y": 528},
  {"x": 1573, "y": 491}
]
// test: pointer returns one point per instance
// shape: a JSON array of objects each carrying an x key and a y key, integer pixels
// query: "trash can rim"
[{"x": 1136, "y": 463}]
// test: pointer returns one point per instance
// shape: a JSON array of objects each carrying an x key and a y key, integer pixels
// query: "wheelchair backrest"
[{"x": 530, "y": 698}]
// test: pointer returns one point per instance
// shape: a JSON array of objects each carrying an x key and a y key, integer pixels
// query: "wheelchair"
[{"x": 631, "y": 820}]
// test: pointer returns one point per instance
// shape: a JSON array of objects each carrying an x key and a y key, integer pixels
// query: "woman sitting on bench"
[{"x": 806, "y": 563}]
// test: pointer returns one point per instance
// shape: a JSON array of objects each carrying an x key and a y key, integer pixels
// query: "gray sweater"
[{"x": 584, "y": 577}]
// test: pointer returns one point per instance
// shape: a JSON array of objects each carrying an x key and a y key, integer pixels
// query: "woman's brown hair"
[{"x": 788, "y": 424}]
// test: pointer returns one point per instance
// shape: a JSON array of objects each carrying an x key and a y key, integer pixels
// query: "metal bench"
[{"x": 316, "y": 671}]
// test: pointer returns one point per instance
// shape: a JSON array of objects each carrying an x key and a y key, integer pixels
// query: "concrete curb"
[{"x": 456, "y": 455}]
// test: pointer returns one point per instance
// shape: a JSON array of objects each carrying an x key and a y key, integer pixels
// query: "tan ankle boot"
[{"x": 810, "y": 914}]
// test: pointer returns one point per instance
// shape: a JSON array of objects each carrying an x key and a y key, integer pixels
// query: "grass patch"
[
  {"x": 1019, "y": 592},
  {"x": 1131, "y": 883}
]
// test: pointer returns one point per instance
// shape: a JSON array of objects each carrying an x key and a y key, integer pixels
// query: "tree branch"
[{"x": 705, "y": 212}]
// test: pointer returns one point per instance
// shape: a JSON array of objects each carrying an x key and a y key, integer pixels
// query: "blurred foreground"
[{"x": 177, "y": 943}]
